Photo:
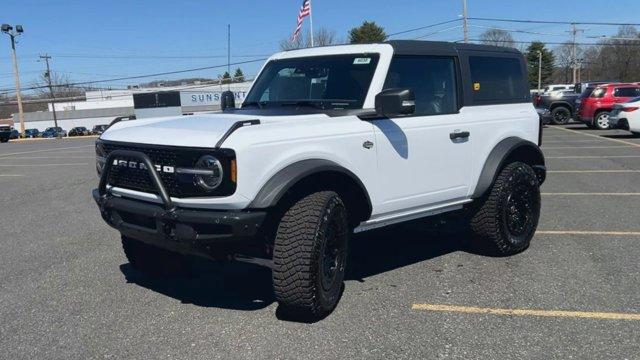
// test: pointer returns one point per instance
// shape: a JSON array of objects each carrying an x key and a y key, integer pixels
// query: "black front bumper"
[{"x": 195, "y": 231}]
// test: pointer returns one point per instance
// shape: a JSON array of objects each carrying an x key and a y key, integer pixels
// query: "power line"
[
  {"x": 554, "y": 22},
  {"x": 128, "y": 57},
  {"x": 568, "y": 42},
  {"x": 138, "y": 76},
  {"x": 422, "y": 27}
]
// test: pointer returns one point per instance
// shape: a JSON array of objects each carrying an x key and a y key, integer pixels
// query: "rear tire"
[
  {"x": 601, "y": 120},
  {"x": 635, "y": 133},
  {"x": 310, "y": 254},
  {"x": 560, "y": 115},
  {"x": 153, "y": 260},
  {"x": 508, "y": 215}
]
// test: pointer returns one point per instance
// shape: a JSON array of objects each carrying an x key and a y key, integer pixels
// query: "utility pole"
[
  {"x": 465, "y": 25},
  {"x": 47, "y": 76},
  {"x": 8, "y": 29},
  {"x": 229, "y": 55},
  {"x": 574, "y": 55},
  {"x": 539, "y": 71}
]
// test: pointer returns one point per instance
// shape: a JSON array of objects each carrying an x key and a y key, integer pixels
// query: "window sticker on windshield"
[
  {"x": 361, "y": 61},
  {"x": 476, "y": 86}
]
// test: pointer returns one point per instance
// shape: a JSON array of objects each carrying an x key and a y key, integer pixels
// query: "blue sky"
[{"x": 92, "y": 40}]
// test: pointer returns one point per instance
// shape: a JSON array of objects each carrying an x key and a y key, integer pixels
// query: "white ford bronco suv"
[{"x": 330, "y": 141}]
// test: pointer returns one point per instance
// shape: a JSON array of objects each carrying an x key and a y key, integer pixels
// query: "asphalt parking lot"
[{"x": 67, "y": 290}]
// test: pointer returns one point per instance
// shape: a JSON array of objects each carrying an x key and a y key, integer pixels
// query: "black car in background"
[
  {"x": 79, "y": 131},
  {"x": 5, "y": 133},
  {"x": 563, "y": 105},
  {"x": 99, "y": 129},
  {"x": 15, "y": 134},
  {"x": 31, "y": 133}
]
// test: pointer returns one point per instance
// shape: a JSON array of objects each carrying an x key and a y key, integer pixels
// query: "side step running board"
[{"x": 413, "y": 214}]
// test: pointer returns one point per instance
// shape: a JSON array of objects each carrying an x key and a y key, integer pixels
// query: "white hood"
[{"x": 202, "y": 130}]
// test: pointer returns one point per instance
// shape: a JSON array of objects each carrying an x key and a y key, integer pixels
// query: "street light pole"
[{"x": 8, "y": 29}]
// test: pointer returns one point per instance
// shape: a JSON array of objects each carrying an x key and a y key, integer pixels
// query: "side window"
[
  {"x": 432, "y": 79},
  {"x": 497, "y": 79},
  {"x": 626, "y": 92},
  {"x": 598, "y": 92}
]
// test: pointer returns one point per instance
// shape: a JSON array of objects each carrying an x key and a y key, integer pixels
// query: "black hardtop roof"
[{"x": 418, "y": 47}]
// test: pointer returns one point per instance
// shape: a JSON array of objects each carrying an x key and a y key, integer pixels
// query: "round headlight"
[
  {"x": 210, "y": 175},
  {"x": 101, "y": 158}
]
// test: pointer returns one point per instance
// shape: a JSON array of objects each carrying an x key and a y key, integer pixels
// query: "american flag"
[{"x": 305, "y": 10}]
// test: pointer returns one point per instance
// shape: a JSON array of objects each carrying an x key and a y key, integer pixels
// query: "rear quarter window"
[
  {"x": 598, "y": 93},
  {"x": 626, "y": 92},
  {"x": 496, "y": 80}
]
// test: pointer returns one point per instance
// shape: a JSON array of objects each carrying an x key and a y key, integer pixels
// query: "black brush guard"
[{"x": 167, "y": 225}]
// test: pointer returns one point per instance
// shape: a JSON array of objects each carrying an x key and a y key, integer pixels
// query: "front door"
[{"x": 425, "y": 158}]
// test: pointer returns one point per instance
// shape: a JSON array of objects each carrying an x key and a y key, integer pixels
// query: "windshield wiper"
[
  {"x": 306, "y": 103},
  {"x": 259, "y": 104}
]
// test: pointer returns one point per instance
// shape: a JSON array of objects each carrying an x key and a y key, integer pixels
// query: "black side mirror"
[
  {"x": 227, "y": 100},
  {"x": 394, "y": 102}
]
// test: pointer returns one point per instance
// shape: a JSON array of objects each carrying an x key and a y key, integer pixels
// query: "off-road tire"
[
  {"x": 597, "y": 117},
  {"x": 560, "y": 115},
  {"x": 493, "y": 220},
  {"x": 153, "y": 260},
  {"x": 313, "y": 224}
]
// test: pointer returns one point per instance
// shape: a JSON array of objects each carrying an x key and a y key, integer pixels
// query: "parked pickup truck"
[{"x": 563, "y": 105}]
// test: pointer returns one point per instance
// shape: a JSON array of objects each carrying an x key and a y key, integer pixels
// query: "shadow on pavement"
[
  {"x": 247, "y": 287},
  {"x": 622, "y": 136}
]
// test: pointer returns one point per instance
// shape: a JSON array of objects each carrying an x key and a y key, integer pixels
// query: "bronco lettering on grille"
[{"x": 141, "y": 166}]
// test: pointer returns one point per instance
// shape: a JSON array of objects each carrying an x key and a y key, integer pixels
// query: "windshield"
[{"x": 326, "y": 82}]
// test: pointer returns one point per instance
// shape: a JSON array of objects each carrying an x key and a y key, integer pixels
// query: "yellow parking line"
[
  {"x": 591, "y": 171},
  {"x": 590, "y": 194},
  {"x": 596, "y": 136},
  {"x": 527, "y": 312},
  {"x": 581, "y": 232},
  {"x": 585, "y": 147},
  {"x": 592, "y": 157}
]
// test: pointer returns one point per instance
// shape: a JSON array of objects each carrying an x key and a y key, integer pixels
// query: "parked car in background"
[
  {"x": 596, "y": 109},
  {"x": 99, "y": 129},
  {"x": 557, "y": 87},
  {"x": 585, "y": 89},
  {"x": 52, "y": 132},
  {"x": 5, "y": 133},
  {"x": 31, "y": 133},
  {"x": 561, "y": 105},
  {"x": 626, "y": 116},
  {"x": 79, "y": 131},
  {"x": 15, "y": 134}
]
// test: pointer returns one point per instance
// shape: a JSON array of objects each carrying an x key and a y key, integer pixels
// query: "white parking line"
[
  {"x": 580, "y": 232},
  {"x": 45, "y": 150},
  {"x": 597, "y": 136},
  {"x": 27, "y": 165},
  {"x": 10, "y": 175},
  {"x": 48, "y": 157}
]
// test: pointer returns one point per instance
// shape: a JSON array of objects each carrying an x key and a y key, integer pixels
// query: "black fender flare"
[
  {"x": 499, "y": 156},
  {"x": 275, "y": 188}
]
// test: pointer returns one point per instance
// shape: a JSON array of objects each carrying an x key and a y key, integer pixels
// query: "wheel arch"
[
  {"x": 311, "y": 175},
  {"x": 563, "y": 104},
  {"x": 506, "y": 151}
]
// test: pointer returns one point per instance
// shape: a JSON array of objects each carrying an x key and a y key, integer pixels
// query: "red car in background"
[{"x": 595, "y": 109}]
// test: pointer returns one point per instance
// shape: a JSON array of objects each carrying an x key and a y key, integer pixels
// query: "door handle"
[{"x": 459, "y": 135}]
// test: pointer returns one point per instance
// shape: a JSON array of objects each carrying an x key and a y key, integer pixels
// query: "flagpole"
[{"x": 311, "y": 22}]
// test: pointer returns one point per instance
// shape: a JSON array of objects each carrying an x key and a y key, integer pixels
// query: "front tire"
[
  {"x": 560, "y": 115},
  {"x": 507, "y": 218},
  {"x": 601, "y": 120},
  {"x": 310, "y": 254},
  {"x": 153, "y": 260}
]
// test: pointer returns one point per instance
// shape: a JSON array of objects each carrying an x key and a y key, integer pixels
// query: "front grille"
[{"x": 177, "y": 185}]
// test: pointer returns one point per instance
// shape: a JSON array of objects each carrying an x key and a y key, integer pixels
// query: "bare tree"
[
  {"x": 322, "y": 37},
  {"x": 62, "y": 86},
  {"x": 497, "y": 37},
  {"x": 615, "y": 59}
]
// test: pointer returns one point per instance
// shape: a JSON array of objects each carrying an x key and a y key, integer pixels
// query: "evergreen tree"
[
  {"x": 368, "y": 32},
  {"x": 533, "y": 58},
  {"x": 238, "y": 76}
]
